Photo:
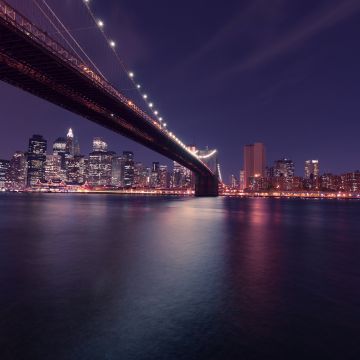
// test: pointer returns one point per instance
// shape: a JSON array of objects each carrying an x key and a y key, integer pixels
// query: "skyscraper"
[
  {"x": 128, "y": 169},
  {"x": 155, "y": 176},
  {"x": 4, "y": 167},
  {"x": 70, "y": 143},
  {"x": 36, "y": 158},
  {"x": 311, "y": 169},
  {"x": 53, "y": 167},
  {"x": 254, "y": 162},
  {"x": 283, "y": 173},
  {"x": 100, "y": 164},
  {"x": 117, "y": 171},
  {"x": 163, "y": 177},
  {"x": 16, "y": 176}
]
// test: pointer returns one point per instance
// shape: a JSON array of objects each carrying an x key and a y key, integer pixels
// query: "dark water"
[{"x": 112, "y": 277}]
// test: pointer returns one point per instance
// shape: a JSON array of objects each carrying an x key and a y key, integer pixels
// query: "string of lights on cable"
[{"x": 131, "y": 75}]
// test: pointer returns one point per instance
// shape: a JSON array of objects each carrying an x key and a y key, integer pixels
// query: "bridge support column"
[{"x": 206, "y": 186}]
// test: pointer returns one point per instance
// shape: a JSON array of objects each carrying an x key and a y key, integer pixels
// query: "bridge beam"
[{"x": 206, "y": 186}]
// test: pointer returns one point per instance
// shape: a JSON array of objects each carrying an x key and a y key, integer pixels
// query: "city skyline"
[
  {"x": 289, "y": 108},
  {"x": 62, "y": 163}
]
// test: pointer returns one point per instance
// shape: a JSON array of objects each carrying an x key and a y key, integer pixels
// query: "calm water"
[{"x": 113, "y": 277}]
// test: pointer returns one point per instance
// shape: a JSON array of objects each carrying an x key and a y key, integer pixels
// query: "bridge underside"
[{"x": 34, "y": 68}]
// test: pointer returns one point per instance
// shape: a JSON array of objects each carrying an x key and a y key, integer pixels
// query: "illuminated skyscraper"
[
  {"x": 283, "y": 174},
  {"x": 4, "y": 168},
  {"x": 100, "y": 164},
  {"x": 163, "y": 177},
  {"x": 128, "y": 169},
  {"x": 70, "y": 142},
  {"x": 117, "y": 171},
  {"x": 16, "y": 176},
  {"x": 36, "y": 158},
  {"x": 311, "y": 169},
  {"x": 53, "y": 168},
  {"x": 155, "y": 176},
  {"x": 254, "y": 162}
]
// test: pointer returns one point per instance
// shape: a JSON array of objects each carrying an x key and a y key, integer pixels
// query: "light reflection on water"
[{"x": 115, "y": 277}]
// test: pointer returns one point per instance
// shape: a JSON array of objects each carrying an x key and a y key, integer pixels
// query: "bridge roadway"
[{"x": 32, "y": 61}]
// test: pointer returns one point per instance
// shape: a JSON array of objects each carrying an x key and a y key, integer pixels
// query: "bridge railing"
[{"x": 10, "y": 15}]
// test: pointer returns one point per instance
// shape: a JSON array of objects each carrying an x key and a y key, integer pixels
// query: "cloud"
[{"x": 307, "y": 29}]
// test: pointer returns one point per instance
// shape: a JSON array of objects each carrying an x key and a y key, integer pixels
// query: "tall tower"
[
  {"x": 254, "y": 161},
  {"x": 70, "y": 142},
  {"x": 311, "y": 169},
  {"x": 36, "y": 158}
]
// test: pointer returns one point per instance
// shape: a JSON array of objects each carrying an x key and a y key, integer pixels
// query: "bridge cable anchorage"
[
  {"x": 68, "y": 33},
  {"x": 100, "y": 24}
]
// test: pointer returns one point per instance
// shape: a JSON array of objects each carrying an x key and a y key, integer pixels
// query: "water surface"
[{"x": 116, "y": 277}]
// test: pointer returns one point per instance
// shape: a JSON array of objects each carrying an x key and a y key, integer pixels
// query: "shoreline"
[{"x": 190, "y": 193}]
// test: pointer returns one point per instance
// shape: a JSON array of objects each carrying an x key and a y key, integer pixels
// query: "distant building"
[
  {"x": 17, "y": 173},
  {"x": 351, "y": 181},
  {"x": 117, "y": 171},
  {"x": 254, "y": 162},
  {"x": 100, "y": 164},
  {"x": 4, "y": 168},
  {"x": 311, "y": 169},
  {"x": 234, "y": 183},
  {"x": 283, "y": 174},
  {"x": 128, "y": 169},
  {"x": 76, "y": 172},
  {"x": 155, "y": 178},
  {"x": 163, "y": 177},
  {"x": 70, "y": 143},
  {"x": 53, "y": 168},
  {"x": 242, "y": 180},
  {"x": 141, "y": 175},
  {"x": 36, "y": 158}
]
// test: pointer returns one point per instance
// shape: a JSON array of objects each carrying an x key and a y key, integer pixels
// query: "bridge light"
[
  {"x": 100, "y": 23},
  {"x": 138, "y": 86},
  {"x": 112, "y": 43},
  {"x": 165, "y": 124},
  {"x": 160, "y": 118},
  {"x": 145, "y": 96},
  {"x": 131, "y": 74},
  {"x": 156, "y": 112},
  {"x": 151, "y": 105}
]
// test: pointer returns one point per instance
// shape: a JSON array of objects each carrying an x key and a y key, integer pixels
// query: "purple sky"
[{"x": 282, "y": 72}]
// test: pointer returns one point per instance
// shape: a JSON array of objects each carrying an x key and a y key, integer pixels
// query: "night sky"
[{"x": 223, "y": 74}]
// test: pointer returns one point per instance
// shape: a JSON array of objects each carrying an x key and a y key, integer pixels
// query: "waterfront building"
[
  {"x": 76, "y": 170},
  {"x": 155, "y": 178},
  {"x": 181, "y": 177},
  {"x": 330, "y": 182},
  {"x": 117, "y": 171},
  {"x": 128, "y": 169},
  {"x": 53, "y": 168},
  {"x": 4, "y": 168},
  {"x": 100, "y": 164},
  {"x": 163, "y": 177},
  {"x": 242, "y": 180},
  {"x": 311, "y": 169},
  {"x": 141, "y": 175},
  {"x": 36, "y": 158},
  {"x": 351, "y": 181},
  {"x": 234, "y": 184},
  {"x": 283, "y": 174},
  {"x": 254, "y": 162},
  {"x": 17, "y": 172}
]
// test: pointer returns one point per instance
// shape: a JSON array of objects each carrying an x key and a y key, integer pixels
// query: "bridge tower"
[{"x": 206, "y": 186}]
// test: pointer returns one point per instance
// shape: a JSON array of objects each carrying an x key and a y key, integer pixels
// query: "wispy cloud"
[
  {"x": 261, "y": 32},
  {"x": 309, "y": 27}
]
